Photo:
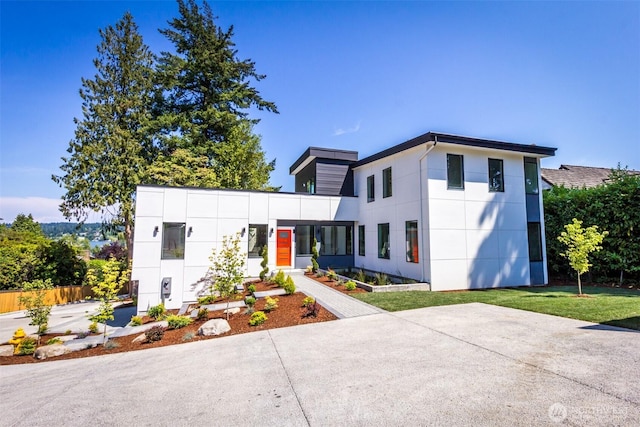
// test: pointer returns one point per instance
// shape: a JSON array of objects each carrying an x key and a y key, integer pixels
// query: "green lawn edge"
[{"x": 607, "y": 306}]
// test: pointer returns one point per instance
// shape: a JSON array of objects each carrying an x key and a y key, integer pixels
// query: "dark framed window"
[
  {"x": 371, "y": 190},
  {"x": 304, "y": 239},
  {"x": 336, "y": 240},
  {"x": 455, "y": 172},
  {"x": 386, "y": 183},
  {"x": 361, "y": 245},
  {"x": 530, "y": 175},
  {"x": 535, "y": 241},
  {"x": 411, "y": 228},
  {"x": 257, "y": 240},
  {"x": 383, "y": 241},
  {"x": 173, "y": 235},
  {"x": 496, "y": 176}
]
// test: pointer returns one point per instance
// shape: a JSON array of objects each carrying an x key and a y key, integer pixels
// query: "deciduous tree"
[{"x": 227, "y": 269}]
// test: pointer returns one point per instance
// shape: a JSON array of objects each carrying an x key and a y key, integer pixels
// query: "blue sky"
[{"x": 354, "y": 75}]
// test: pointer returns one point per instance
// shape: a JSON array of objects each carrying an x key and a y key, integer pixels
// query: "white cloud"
[
  {"x": 341, "y": 131},
  {"x": 42, "y": 209}
]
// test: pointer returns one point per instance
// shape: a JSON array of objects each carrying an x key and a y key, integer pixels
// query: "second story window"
[
  {"x": 496, "y": 176},
  {"x": 386, "y": 183},
  {"x": 371, "y": 192},
  {"x": 455, "y": 172}
]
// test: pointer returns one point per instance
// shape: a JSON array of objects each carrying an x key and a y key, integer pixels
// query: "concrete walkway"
[
  {"x": 341, "y": 305},
  {"x": 461, "y": 365}
]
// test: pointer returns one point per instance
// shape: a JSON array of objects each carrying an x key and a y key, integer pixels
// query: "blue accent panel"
[
  {"x": 533, "y": 208},
  {"x": 335, "y": 261},
  {"x": 536, "y": 270}
]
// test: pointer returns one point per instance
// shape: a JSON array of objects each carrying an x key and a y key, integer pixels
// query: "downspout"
[{"x": 424, "y": 261}]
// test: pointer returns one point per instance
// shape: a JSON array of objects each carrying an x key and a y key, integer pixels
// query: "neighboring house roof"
[
  {"x": 577, "y": 176},
  {"x": 460, "y": 140}
]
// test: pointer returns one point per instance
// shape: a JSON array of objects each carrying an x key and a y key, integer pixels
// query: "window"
[
  {"x": 383, "y": 241},
  {"x": 311, "y": 186},
  {"x": 361, "y": 240},
  {"x": 173, "y": 240},
  {"x": 412, "y": 241},
  {"x": 304, "y": 239},
  {"x": 455, "y": 172},
  {"x": 386, "y": 183},
  {"x": 496, "y": 176},
  {"x": 530, "y": 175},
  {"x": 371, "y": 192},
  {"x": 336, "y": 240},
  {"x": 535, "y": 241},
  {"x": 257, "y": 240}
]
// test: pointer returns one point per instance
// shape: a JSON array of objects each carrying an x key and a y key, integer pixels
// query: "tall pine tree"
[
  {"x": 113, "y": 146},
  {"x": 206, "y": 92}
]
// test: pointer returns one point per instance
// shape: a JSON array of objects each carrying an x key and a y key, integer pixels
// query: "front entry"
[{"x": 283, "y": 248}]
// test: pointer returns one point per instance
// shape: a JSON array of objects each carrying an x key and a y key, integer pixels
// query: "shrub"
[
  {"x": 27, "y": 346},
  {"x": 314, "y": 256},
  {"x": 340, "y": 282},
  {"x": 311, "y": 310},
  {"x": 350, "y": 285},
  {"x": 32, "y": 298},
  {"x": 360, "y": 276},
  {"x": 209, "y": 299},
  {"x": 332, "y": 275},
  {"x": 264, "y": 263},
  {"x": 203, "y": 314},
  {"x": 188, "y": 336},
  {"x": 309, "y": 269},
  {"x": 319, "y": 273},
  {"x": 156, "y": 312},
  {"x": 257, "y": 318},
  {"x": 251, "y": 288},
  {"x": 136, "y": 321},
  {"x": 81, "y": 335},
  {"x": 176, "y": 322},
  {"x": 250, "y": 301},
  {"x": 381, "y": 279},
  {"x": 279, "y": 278},
  {"x": 154, "y": 334},
  {"x": 289, "y": 287},
  {"x": 93, "y": 327},
  {"x": 67, "y": 332},
  {"x": 270, "y": 304},
  {"x": 110, "y": 345},
  {"x": 308, "y": 300},
  {"x": 53, "y": 341}
]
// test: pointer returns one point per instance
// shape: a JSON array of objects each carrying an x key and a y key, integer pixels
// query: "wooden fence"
[{"x": 59, "y": 295}]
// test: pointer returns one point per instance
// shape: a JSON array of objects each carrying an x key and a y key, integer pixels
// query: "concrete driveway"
[{"x": 471, "y": 364}]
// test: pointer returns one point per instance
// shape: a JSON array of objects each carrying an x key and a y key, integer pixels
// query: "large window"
[
  {"x": 496, "y": 176},
  {"x": 173, "y": 240},
  {"x": 257, "y": 239},
  {"x": 383, "y": 241},
  {"x": 386, "y": 183},
  {"x": 336, "y": 240},
  {"x": 361, "y": 246},
  {"x": 530, "y": 175},
  {"x": 412, "y": 241},
  {"x": 304, "y": 239},
  {"x": 535, "y": 241},
  {"x": 455, "y": 172},
  {"x": 371, "y": 190}
]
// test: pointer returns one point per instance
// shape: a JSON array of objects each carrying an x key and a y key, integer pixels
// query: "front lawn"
[{"x": 610, "y": 306}]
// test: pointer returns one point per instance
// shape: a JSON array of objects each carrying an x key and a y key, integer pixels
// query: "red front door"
[{"x": 283, "y": 248}]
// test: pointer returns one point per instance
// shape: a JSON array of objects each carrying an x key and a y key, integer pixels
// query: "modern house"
[
  {"x": 455, "y": 212},
  {"x": 571, "y": 176}
]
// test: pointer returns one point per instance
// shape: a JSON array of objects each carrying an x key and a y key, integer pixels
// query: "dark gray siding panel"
[
  {"x": 330, "y": 178},
  {"x": 306, "y": 174}
]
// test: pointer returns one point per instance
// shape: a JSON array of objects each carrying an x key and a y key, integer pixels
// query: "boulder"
[
  {"x": 6, "y": 350},
  {"x": 52, "y": 350},
  {"x": 214, "y": 327},
  {"x": 84, "y": 343},
  {"x": 234, "y": 310},
  {"x": 140, "y": 338},
  {"x": 65, "y": 338},
  {"x": 131, "y": 330}
]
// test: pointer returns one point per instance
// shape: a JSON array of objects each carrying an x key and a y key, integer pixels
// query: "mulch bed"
[
  {"x": 334, "y": 285},
  {"x": 288, "y": 313}
]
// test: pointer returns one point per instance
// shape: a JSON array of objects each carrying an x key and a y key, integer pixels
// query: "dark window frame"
[
  {"x": 531, "y": 186},
  {"x": 173, "y": 249},
  {"x": 371, "y": 188},
  {"x": 333, "y": 233},
  {"x": 496, "y": 182},
  {"x": 384, "y": 241},
  {"x": 387, "y": 187},
  {"x": 450, "y": 172},
  {"x": 411, "y": 240},
  {"x": 300, "y": 247},
  {"x": 261, "y": 234},
  {"x": 361, "y": 240},
  {"x": 534, "y": 238}
]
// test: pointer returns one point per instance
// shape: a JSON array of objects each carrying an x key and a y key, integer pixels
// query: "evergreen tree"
[
  {"x": 205, "y": 93},
  {"x": 112, "y": 146}
]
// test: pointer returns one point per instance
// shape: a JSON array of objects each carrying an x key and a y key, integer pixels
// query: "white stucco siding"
[
  {"x": 211, "y": 215},
  {"x": 478, "y": 238}
]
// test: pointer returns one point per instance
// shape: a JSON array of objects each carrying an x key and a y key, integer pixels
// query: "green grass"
[{"x": 609, "y": 306}]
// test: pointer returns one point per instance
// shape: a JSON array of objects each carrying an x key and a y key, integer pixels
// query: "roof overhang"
[{"x": 313, "y": 153}]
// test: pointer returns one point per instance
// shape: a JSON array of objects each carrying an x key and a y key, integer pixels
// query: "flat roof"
[{"x": 312, "y": 153}]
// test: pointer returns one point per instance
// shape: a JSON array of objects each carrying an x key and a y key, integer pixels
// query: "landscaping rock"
[
  {"x": 84, "y": 343},
  {"x": 223, "y": 305},
  {"x": 235, "y": 310},
  {"x": 140, "y": 338},
  {"x": 269, "y": 293},
  {"x": 214, "y": 327},
  {"x": 52, "y": 350},
  {"x": 131, "y": 330},
  {"x": 6, "y": 350},
  {"x": 65, "y": 338}
]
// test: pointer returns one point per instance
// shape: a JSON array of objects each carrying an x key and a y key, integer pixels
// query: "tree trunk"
[
  {"x": 621, "y": 274},
  {"x": 579, "y": 286}
]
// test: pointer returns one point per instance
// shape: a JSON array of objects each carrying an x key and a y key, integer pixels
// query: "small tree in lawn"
[
  {"x": 580, "y": 243},
  {"x": 314, "y": 256},
  {"x": 264, "y": 263},
  {"x": 105, "y": 288},
  {"x": 32, "y": 298},
  {"x": 227, "y": 269}
]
